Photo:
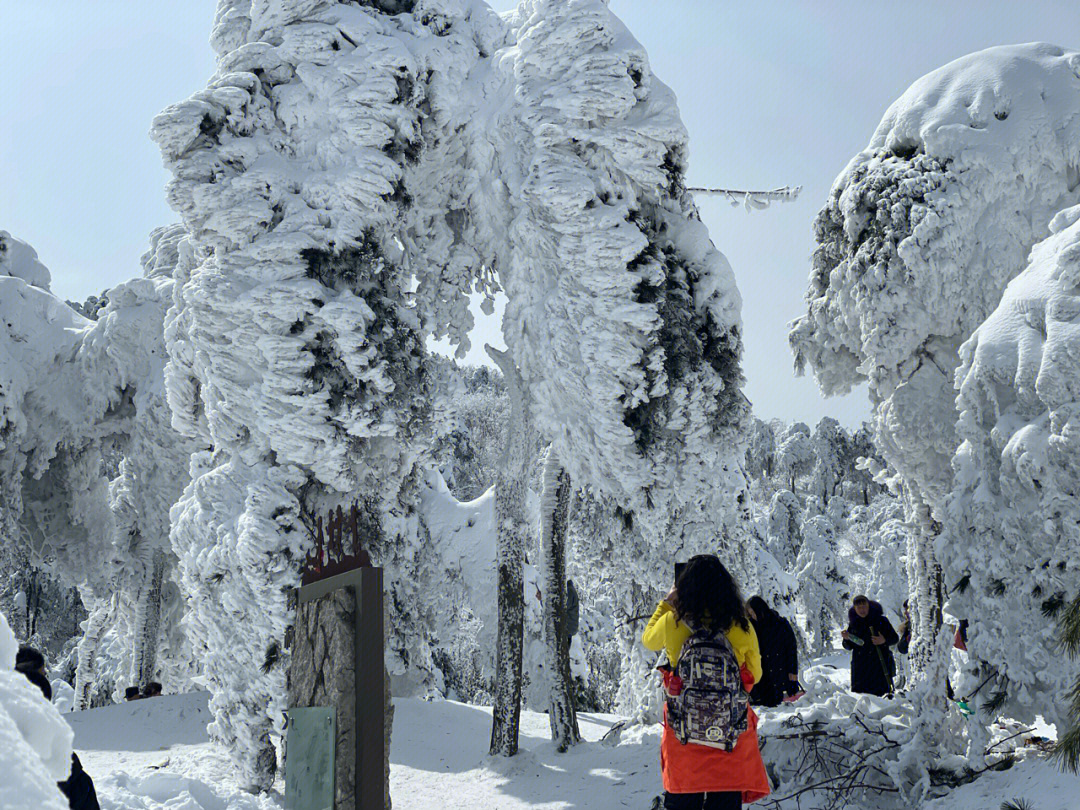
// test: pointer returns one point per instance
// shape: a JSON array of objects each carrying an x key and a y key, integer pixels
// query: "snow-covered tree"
[
  {"x": 761, "y": 449},
  {"x": 822, "y": 592},
  {"x": 860, "y": 456},
  {"x": 476, "y": 409},
  {"x": 75, "y": 393},
  {"x": 921, "y": 233},
  {"x": 621, "y": 317},
  {"x": 795, "y": 453},
  {"x": 785, "y": 527},
  {"x": 294, "y": 349},
  {"x": 1011, "y": 547},
  {"x": 143, "y": 613},
  {"x": 830, "y": 443},
  {"x": 512, "y": 528}
]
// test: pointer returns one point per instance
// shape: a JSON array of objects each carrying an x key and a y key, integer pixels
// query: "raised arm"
[{"x": 655, "y": 635}]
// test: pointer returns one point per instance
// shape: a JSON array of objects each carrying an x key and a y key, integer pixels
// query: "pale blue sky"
[{"x": 773, "y": 93}]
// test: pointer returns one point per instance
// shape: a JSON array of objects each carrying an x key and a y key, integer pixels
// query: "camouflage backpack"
[{"x": 708, "y": 704}]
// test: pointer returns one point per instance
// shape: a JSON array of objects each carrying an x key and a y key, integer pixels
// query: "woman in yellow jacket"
[{"x": 697, "y": 777}]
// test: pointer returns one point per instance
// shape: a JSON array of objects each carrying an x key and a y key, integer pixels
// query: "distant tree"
[
  {"x": 831, "y": 448},
  {"x": 761, "y": 449},
  {"x": 785, "y": 527},
  {"x": 855, "y": 471},
  {"x": 795, "y": 453},
  {"x": 821, "y": 589}
]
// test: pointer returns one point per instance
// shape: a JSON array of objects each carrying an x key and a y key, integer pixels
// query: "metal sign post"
[{"x": 337, "y": 662}]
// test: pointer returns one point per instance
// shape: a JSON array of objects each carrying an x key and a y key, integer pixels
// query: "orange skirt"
[{"x": 693, "y": 768}]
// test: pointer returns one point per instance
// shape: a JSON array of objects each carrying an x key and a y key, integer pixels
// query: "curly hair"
[{"x": 707, "y": 594}]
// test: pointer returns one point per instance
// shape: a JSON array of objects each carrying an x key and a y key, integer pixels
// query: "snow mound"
[
  {"x": 143, "y": 725},
  {"x": 1040, "y": 783},
  {"x": 19, "y": 260},
  {"x": 35, "y": 742}
]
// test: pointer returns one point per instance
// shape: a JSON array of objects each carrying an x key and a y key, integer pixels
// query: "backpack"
[{"x": 706, "y": 702}]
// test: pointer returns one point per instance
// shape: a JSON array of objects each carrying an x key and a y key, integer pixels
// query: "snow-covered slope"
[{"x": 154, "y": 755}]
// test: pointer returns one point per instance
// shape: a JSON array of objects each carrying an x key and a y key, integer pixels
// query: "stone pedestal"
[{"x": 337, "y": 662}]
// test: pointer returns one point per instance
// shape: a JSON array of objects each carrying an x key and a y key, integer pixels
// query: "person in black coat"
[
  {"x": 779, "y": 654},
  {"x": 904, "y": 631},
  {"x": 869, "y": 636},
  {"x": 78, "y": 787}
]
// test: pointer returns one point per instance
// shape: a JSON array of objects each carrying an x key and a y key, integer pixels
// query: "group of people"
[
  {"x": 78, "y": 787},
  {"x": 152, "y": 689},
  {"x": 718, "y": 656}
]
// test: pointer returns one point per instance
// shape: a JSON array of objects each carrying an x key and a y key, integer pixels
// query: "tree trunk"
[
  {"x": 86, "y": 671},
  {"x": 147, "y": 623},
  {"x": 936, "y": 731},
  {"x": 512, "y": 530},
  {"x": 927, "y": 594},
  {"x": 554, "y": 514}
]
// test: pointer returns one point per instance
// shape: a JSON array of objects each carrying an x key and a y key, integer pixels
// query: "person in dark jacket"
[
  {"x": 78, "y": 787},
  {"x": 904, "y": 631},
  {"x": 779, "y": 654},
  {"x": 27, "y": 658},
  {"x": 869, "y": 636}
]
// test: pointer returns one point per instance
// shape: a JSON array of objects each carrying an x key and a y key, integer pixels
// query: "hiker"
[
  {"x": 779, "y": 655},
  {"x": 132, "y": 693},
  {"x": 78, "y": 787},
  {"x": 709, "y": 757},
  {"x": 152, "y": 689},
  {"x": 869, "y": 636},
  {"x": 903, "y": 630},
  {"x": 27, "y": 658}
]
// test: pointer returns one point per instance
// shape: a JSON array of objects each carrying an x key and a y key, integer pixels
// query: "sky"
[{"x": 772, "y": 94}]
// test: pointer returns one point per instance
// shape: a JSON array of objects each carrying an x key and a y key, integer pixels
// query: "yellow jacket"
[{"x": 665, "y": 632}]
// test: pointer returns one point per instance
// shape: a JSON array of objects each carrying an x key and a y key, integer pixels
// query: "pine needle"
[
  {"x": 1052, "y": 607},
  {"x": 1069, "y": 622}
]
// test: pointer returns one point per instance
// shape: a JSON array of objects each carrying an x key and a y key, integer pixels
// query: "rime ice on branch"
[{"x": 1011, "y": 534}]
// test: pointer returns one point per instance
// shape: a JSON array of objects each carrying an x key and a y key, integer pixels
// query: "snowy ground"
[{"x": 154, "y": 755}]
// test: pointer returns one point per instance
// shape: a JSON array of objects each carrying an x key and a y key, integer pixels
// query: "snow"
[
  {"x": 1016, "y": 474},
  {"x": 1039, "y": 782},
  {"x": 35, "y": 742},
  {"x": 19, "y": 260},
  {"x": 155, "y": 755}
]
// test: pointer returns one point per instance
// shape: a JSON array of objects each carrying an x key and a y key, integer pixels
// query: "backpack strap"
[{"x": 696, "y": 628}]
